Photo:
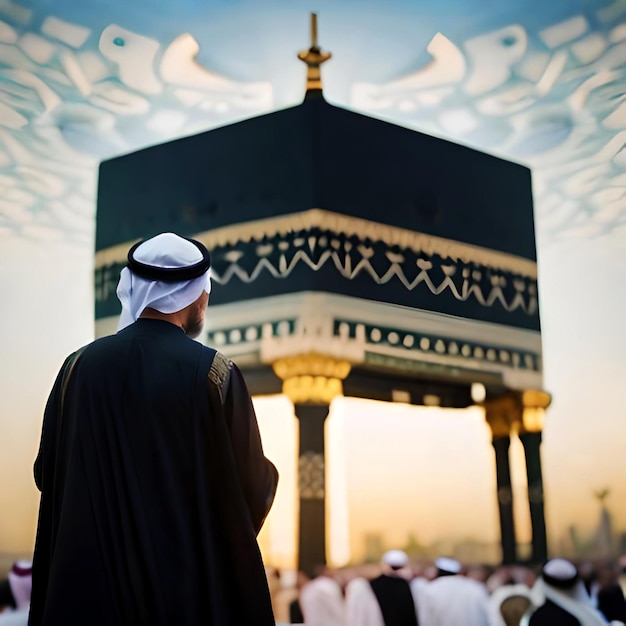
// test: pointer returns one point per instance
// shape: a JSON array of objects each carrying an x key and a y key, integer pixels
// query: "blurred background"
[{"x": 542, "y": 84}]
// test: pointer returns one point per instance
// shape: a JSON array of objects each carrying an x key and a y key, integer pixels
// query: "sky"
[{"x": 538, "y": 83}]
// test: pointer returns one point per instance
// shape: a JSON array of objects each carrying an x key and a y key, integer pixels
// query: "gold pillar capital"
[
  {"x": 534, "y": 402},
  {"x": 502, "y": 413},
  {"x": 311, "y": 378},
  {"x": 517, "y": 411},
  {"x": 536, "y": 398}
]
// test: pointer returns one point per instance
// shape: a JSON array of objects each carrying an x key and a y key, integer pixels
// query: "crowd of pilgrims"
[{"x": 399, "y": 592}]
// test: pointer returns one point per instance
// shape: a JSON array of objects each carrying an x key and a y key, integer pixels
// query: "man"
[
  {"x": 152, "y": 475},
  {"x": 321, "y": 600},
  {"x": 560, "y": 598},
  {"x": 452, "y": 598},
  {"x": 385, "y": 600}
]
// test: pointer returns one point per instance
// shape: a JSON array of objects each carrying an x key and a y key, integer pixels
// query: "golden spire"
[{"x": 313, "y": 57}]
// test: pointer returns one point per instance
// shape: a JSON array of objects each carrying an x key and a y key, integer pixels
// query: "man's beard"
[{"x": 194, "y": 329}]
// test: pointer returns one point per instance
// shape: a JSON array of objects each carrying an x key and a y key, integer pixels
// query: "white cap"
[
  {"x": 560, "y": 573},
  {"x": 395, "y": 559},
  {"x": 167, "y": 273},
  {"x": 446, "y": 564}
]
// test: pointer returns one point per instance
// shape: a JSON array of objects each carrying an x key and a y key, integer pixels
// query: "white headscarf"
[
  {"x": 448, "y": 565},
  {"x": 168, "y": 251},
  {"x": 574, "y": 599}
]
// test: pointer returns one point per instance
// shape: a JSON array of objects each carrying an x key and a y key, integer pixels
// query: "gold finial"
[
  {"x": 314, "y": 30},
  {"x": 313, "y": 57}
]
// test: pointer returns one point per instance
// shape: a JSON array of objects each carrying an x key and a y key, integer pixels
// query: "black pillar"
[
  {"x": 505, "y": 500},
  {"x": 311, "y": 485},
  {"x": 531, "y": 443}
]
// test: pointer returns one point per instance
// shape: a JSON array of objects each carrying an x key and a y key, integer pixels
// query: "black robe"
[
  {"x": 550, "y": 614},
  {"x": 611, "y": 602},
  {"x": 395, "y": 599},
  {"x": 153, "y": 488}
]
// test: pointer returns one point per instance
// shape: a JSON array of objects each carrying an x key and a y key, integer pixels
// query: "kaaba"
[{"x": 350, "y": 256}]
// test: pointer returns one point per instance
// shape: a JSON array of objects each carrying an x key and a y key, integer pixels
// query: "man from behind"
[
  {"x": 152, "y": 475},
  {"x": 386, "y": 600},
  {"x": 453, "y": 598},
  {"x": 559, "y": 598}
]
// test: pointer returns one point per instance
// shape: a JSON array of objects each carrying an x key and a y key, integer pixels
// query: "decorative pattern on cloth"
[
  {"x": 327, "y": 251},
  {"x": 220, "y": 372},
  {"x": 351, "y": 257},
  {"x": 363, "y": 229}
]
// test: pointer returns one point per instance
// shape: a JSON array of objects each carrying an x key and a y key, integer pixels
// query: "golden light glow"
[
  {"x": 519, "y": 484},
  {"x": 391, "y": 470},
  {"x": 338, "y": 550},
  {"x": 399, "y": 470},
  {"x": 279, "y": 435}
]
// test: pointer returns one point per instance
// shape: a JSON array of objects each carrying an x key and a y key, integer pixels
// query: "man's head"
[
  {"x": 560, "y": 573},
  {"x": 447, "y": 566},
  {"x": 167, "y": 274},
  {"x": 396, "y": 562},
  {"x": 395, "y": 559},
  {"x": 560, "y": 580}
]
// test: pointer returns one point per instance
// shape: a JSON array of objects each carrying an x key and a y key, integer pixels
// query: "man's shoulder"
[
  {"x": 98, "y": 343},
  {"x": 96, "y": 349},
  {"x": 220, "y": 369}
]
